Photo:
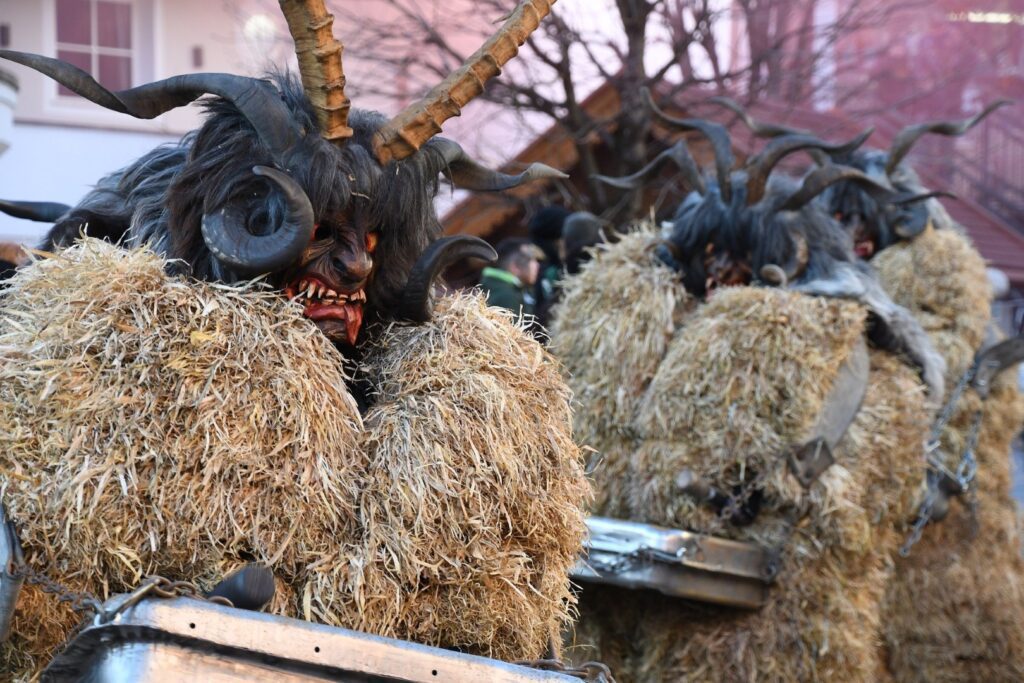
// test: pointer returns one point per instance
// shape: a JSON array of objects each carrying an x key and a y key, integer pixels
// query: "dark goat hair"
[
  {"x": 760, "y": 234},
  {"x": 160, "y": 199},
  {"x": 884, "y": 222}
]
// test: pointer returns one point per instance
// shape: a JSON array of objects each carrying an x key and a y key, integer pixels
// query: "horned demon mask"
[
  {"x": 876, "y": 220},
  {"x": 335, "y": 205}
]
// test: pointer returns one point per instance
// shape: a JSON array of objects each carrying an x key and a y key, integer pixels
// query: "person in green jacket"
[{"x": 509, "y": 283}]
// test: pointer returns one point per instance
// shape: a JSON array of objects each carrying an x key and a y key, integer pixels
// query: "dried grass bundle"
[
  {"x": 954, "y": 610},
  {"x": 743, "y": 378},
  {"x": 153, "y": 425},
  {"x": 941, "y": 279},
  {"x": 473, "y": 505},
  {"x": 158, "y": 425},
  {"x": 612, "y": 327}
]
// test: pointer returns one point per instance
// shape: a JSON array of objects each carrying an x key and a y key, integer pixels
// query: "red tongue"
[
  {"x": 351, "y": 313},
  {"x": 864, "y": 249}
]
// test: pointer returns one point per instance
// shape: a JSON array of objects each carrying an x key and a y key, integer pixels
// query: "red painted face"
[
  {"x": 331, "y": 278},
  {"x": 723, "y": 270}
]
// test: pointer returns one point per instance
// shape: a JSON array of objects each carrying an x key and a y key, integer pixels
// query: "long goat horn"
[
  {"x": 319, "y": 54},
  {"x": 679, "y": 154},
  {"x": 416, "y": 124},
  {"x": 261, "y": 104},
  {"x": 715, "y": 133},
  {"x": 767, "y": 130},
  {"x": 256, "y": 99},
  {"x": 758, "y": 128},
  {"x": 911, "y": 134},
  {"x": 821, "y": 179},
  {"x": 760, "y": 167},
  {"x": 42, "y": 212}
]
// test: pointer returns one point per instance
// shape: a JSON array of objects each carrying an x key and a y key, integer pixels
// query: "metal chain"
[
  {"x": 965, "y": 472},
  {"x": 80, "y": 603},
  {"x": 86, "y": 603},
  {"x": 591, "y": 672}
]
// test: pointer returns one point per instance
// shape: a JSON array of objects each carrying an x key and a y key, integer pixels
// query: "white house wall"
[{"x": 49, "y": 163}]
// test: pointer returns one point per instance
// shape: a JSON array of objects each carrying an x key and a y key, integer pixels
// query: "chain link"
[
  {"x": 591, "y": 672},
  {"x": 80, "y": 603},
  {"x": 85, "y": 603},
  {"x": 965, "y": 471}
]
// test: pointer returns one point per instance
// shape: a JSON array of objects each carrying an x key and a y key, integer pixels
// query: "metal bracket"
[
  {"x": 989, "y": 363},
  {"x": 677, "y": 563},
  {"x": 810, "y": 461},
  {"x": 12, "y": 564}
]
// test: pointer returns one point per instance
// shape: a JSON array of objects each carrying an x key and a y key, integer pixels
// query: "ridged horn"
[
  {"x": 715, "y": 133},
  {"x": 320, "y": 65},
  {"x": 42, "y": 212},
  {"x": 779, "y": 276},
  {"x": 760, "y": 167},
  {"x": 415, "y": 125},
  {"x": 821, "y": 179},
  {"x": 415, "y": 301},
  {"x": 679, "y": 154},
  {"x": 467, "y": 174},
  {"x": 231, "y": 243},
  {"x": 911, "y": 134}
]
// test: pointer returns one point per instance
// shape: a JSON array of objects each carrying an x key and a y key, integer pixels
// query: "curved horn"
[
  {"x": 760, "y": 167},
  {"x": 42, "y": 212},
  {"x": 761, "y": 130},
  {"x": 913, "y": 199},
  {"x": 775, "y": 275},
  {"x": 228, "y": 239},
  {"x": 821, "y": 179},
  {"x": 319, "y": 54},
  {"x": 715, "y": 133},
  {"x": 767, "y": 130},
  {"x": 419, "y": 122},
  {"x": 258, "y": 100},
  {"x": 911, "y": 134},
  {"x": 679, "y": 154},
  {"x": 467, "y": 174},
  {"x": 415, "y": 301}
]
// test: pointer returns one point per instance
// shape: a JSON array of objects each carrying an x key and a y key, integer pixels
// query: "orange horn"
[
  {"x": 323, "y": 77},
  {"x": 419, "y": 122}
]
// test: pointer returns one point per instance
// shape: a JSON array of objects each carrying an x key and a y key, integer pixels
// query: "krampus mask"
[
  {"x": 751, "y": 227},
  {"x": 281, "y": 180},
  {"x": 876, "y": 221}
]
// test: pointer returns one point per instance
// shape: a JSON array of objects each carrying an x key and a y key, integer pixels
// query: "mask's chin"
[
  {"x": 337, "y": 331},
  {"x": 338, "y": 315}
]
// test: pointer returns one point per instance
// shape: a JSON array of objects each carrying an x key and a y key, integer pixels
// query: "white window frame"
[
  {"x": 95, "y": 49},
  {"x": 143, "y": 54}
]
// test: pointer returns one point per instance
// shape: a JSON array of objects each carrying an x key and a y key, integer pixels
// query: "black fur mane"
[{"x": 159, "y": 200}]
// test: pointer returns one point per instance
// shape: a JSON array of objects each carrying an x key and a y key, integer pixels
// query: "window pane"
[
  {"x": 115, "y": 72},
  {"x": 83, "y": 60},
  {"x": 114, "y": 24},
  {"x": 74, "y": 24}
]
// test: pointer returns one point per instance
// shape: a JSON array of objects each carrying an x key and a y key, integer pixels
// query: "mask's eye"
[
  {"x": 371, "y": 241},
  {"x": 322, "y": 232}
]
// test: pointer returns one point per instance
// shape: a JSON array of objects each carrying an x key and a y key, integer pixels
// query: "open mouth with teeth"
[
  {"x": 336, "y": 314},
  {"x": 864, "y": 249}
]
